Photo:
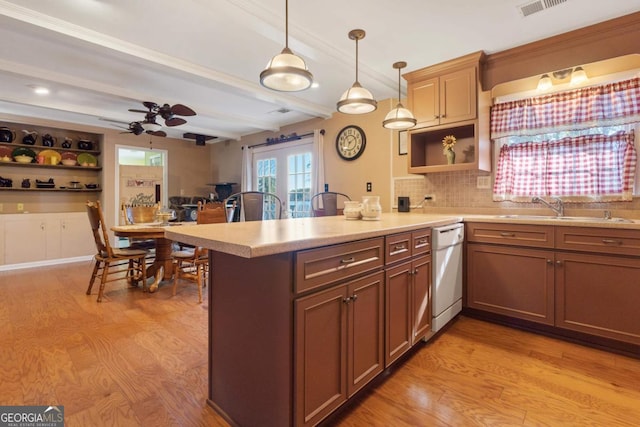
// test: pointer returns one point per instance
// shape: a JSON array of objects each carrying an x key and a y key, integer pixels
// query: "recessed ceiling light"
[{"x": 40, "y": 90}]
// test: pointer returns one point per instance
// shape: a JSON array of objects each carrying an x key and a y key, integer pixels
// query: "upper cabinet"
[{"x": 446, "y": 100}]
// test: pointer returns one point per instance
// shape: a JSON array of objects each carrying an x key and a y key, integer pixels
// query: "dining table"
[{"x": 162, "y": 267}]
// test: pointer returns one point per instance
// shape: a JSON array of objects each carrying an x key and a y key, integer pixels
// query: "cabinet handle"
[
  {"x": 42, "y": 226},
  {"x": 346, "y": 300},
  {"x": 611, "y": 242},
  {"x": 505, "y": 234},
  {"x": 399, "y": 247},
  {"x": 415, "y": 271},
  {"x": 354, "y": 297},
  {"x": 558, "y": 262},
  {"x": 347, "y": 260},
  {"x": 422, "y": 242},
  {"x": 549, "y": 261}
]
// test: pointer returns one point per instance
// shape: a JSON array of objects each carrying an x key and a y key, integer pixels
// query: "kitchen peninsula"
[{"x": 266, "y": 279}]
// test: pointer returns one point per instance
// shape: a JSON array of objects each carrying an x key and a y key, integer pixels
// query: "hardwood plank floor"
[{"x": 140, "y": 359}]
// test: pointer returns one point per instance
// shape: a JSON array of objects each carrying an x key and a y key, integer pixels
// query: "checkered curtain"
[
  {"x": 584, "y": 168},
  {"x": 614, "y": 104}
]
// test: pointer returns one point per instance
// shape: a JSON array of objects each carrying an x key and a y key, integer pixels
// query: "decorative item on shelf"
[
  {"x": 91, "y": 186},
  {"x": 85, "y": 144},
  {"x": 75, "y": 185},
  {"x": 448, "y": 142},
  {"x": 45, "y": 184},
  {"x": 86, "y": 159},
  {"x": 6, "y": 182},
  {"x": 50, "y": 157},
  {"x": 69, "y": 162},
  {"x": 469, "y": 154},
  {"x": 48, "y": 140},
  {"x": 6, "y": 153},
  {"x": 67, "y": 143},
  {"x": 29, "y": 137},
  {"x": 6, "y": 134},
  {"x": 26, "y": 183}
]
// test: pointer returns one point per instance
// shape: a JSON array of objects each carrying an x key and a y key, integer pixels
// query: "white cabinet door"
[
  {"x": 75, "y": 237},
  {"x": 25, "y": 240}
]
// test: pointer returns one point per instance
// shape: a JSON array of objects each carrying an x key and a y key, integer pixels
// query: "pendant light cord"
[
  {"x": 357, "y": 61},
  {"x": 286, "y": 24},
  {"x": 398, "y": 85}
]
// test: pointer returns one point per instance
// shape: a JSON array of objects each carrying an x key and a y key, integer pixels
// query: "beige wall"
[{"x": 350, "y": 177}]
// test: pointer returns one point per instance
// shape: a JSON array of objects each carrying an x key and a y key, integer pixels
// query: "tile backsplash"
[{"x": 457, "y": 191}]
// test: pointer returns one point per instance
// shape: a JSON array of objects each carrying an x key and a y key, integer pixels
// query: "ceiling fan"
[
  {"x": 167, "y": 112},
  {"x": 136, "y": 128}
]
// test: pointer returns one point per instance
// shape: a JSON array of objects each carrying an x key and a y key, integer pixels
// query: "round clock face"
[{"x": 350, "y": 142}]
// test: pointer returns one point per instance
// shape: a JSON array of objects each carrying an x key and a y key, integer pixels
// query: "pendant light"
[
  {"x": 286, "y": 72},
  {"x": 399, "y": 118},
  {"x": 544, "y": 83},
  {"x": 357, "y": 100}
]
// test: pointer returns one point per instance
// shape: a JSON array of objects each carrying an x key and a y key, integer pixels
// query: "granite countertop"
[{"x": 260, "y": 238}]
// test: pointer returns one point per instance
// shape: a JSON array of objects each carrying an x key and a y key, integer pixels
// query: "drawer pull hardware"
[
  {"x": 549, "y": 261},
  {"x": 354, "y": 297},
  {"x": 347, "y": 260},
  {"x": 422, "y": 242},
  {"x": 559, "y": 262},
  {"x": 612, "y": 242},
  {"x": 399, "y": 247},
  {"x": 505, "y": 234},
  {"x": 346, "y": 300}
]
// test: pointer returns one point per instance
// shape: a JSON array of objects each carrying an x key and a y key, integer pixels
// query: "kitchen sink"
[{"x": 567, "y": 218}]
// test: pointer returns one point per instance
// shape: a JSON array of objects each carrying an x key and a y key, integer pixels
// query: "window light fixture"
[
  {"x": 399, "y": 118},
  {"x": 578, "y": 76},
  {"x": 286, "y": 72},
  {"x": 544, "y": 83},
  {"x": 356, "y": 99}
]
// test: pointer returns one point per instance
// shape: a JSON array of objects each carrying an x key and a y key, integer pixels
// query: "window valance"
[{"x": 613, "y": 103}]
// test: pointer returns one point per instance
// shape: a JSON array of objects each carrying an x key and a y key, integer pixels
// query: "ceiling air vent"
[{"x": 538, "y": 6}]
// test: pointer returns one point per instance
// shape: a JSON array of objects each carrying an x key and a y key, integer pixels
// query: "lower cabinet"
[
  {"x": 587, "y": 281},
  {"x": 339, "y": 345},
  {"x": 408, "y": 306},
  {"x": 44, "y": 237}
]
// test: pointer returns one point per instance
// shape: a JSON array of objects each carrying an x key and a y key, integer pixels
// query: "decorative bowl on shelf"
[
  {"x": 85, "y": 144},
  {"x": 69, "y": 162},
  {"x": 23, "y": 159},
  {"x": 91, "y": 186}
]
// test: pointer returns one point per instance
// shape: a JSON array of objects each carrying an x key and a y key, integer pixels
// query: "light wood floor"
[{"x": 141, "y": 360}]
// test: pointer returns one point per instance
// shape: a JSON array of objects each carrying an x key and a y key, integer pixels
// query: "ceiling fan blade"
[
  {"x": 174, "y": 121},
  {"x": 182, "y": 110},
  {"x": 134, "y": 110},
  {"x": 157, "y": 133},
  {"x": 150, "y": 105},
  {"x": 105, "y": 119}
]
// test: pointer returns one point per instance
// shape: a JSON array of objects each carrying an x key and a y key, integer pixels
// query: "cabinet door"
[
  {"x": 423, "y": 101},
  {"x": 598, "y": 295},
  {"x": 458, "y": 96},
  {"x": 25, "y": 240},
  {"x": 399, "y": 324},
  {"x": 320, "y": 354},
  {"x": 76, "y": 237},
  {"x": 366, "y": 330},
  {"x": 512, "y": 281},
  {"x": 421, "y": 284}
]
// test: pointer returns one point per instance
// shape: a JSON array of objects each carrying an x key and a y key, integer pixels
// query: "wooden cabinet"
[
  {"x": 407, "y": 291},
  {"x": 339, "y": 345},
  {"x": 574, "y": 278},
  {"x": 445, "y": 99},
  {"x": 51, "y": 237},
  {"x": 448, "y": 98}
]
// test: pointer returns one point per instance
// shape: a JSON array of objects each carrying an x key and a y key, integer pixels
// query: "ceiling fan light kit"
[
  {"x": 150, "y": 126},
  {"x": 356, "y": 99},
  {"x": 399, "y": 118},
  {"x": 286, "y": 72}
]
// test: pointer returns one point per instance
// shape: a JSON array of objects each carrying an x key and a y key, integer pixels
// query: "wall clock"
[{"x": 350, "y": 142}]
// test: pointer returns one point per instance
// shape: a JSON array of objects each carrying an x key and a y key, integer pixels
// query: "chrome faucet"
[{"x": 557, "y": 206}]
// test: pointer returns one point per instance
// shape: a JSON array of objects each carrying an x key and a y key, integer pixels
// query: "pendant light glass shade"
[
  {"x": 356, "y": 99},
  {"x": 399, "y": 118},
  {"x": 286, "y": 72},
  {"x": 578, "y": 76},
  {"x": 150, "y": 126},
  {"x": 544, "y": 83}
]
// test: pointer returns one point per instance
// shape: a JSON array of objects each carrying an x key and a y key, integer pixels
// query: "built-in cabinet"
[
  {"x": 50, "y": 236},
  {"x": 407, "y": 291},
  {"x": 579, "y": 279},
  {"x": 446, "y": 99}
]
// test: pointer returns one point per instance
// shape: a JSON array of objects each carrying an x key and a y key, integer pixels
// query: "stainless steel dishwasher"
[{"x": 447, "y": 274}]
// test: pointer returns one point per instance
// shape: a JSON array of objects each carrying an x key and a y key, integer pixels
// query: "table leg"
[{"x": 162, "y": 268}]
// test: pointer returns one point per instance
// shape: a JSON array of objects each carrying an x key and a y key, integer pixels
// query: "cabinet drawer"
[
  {"x": 601, "y": 240},
  {"x": 421, "y": 241},
  {"x": 398, "y": 247},
  {"x": 538, "y": 236},
  {"x": 318, "y": 267}
]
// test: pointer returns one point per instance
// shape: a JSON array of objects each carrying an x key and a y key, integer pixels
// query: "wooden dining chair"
[
  {"x": 110, "y": 262},
  {"x": 139, "y": 214},
  {"x": 328, "y": 203},
  {"x": 193, "y": 264}
]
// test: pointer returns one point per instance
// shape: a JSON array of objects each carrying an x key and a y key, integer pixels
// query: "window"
[
  {"x": 579, "y": 145},
  {"x": 285, "y": 170}
]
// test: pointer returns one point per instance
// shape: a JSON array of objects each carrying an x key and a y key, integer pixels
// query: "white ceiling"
[{"x": 101, "y": 57}]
